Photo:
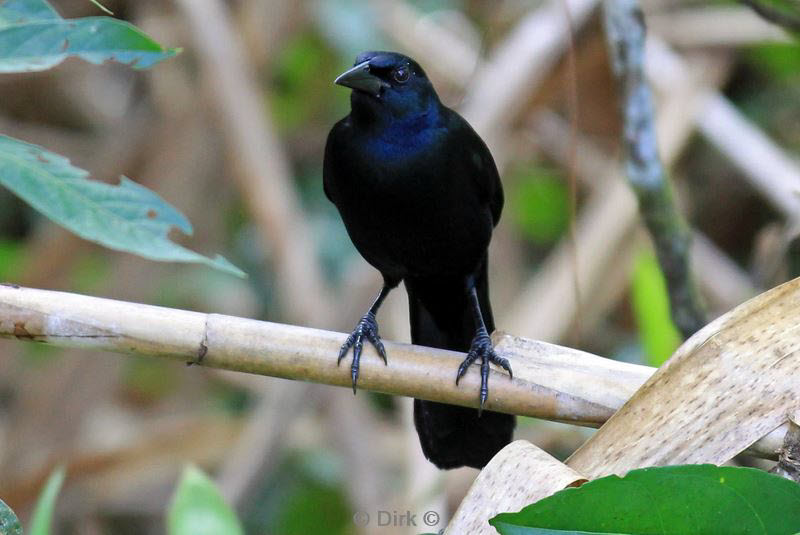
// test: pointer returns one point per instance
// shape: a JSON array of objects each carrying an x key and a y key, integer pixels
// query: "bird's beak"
[{"x": 360, "y": 78}]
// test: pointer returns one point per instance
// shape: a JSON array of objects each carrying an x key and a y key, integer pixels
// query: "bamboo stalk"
[{"x": 550, "y": 381}]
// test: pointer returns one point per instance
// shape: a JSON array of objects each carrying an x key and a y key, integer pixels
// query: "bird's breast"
[
  {"x": 402, "y": 145},
  {"x": 412, "y": 213}
]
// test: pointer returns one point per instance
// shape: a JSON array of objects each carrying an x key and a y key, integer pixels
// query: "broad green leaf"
[
  {"x": 42, "y": 518},
  {"x": 24, "y": 11},
  {"x": 658, "y": 335},
  {"x": 675, "y": 500},
  {"x": 126, "y": 217},
  {"x": 197, "y": 508},
  {"x": 508, "y": 529},
  {"x": 9, "y": 523},
  {"x": 39, "y": 45}
]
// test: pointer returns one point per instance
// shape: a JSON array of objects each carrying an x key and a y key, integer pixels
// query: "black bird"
[{"x": 419, "y": 194}]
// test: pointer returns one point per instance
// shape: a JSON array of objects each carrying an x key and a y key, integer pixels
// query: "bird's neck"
[{"x": 398, "y": 126}]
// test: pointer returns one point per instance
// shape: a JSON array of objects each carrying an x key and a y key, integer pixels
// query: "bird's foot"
[
  {"x": 482, "y": 348},
  {"x": 366, "y": 328}
]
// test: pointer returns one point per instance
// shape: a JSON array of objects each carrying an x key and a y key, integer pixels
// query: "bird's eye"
[{"x": 401, "y": 75}]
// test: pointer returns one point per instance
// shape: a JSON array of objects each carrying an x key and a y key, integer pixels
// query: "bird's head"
[{"x": 388, "y": 84}]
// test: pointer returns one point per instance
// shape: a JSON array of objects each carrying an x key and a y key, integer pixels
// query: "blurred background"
[{"x": 232, "y": 133}]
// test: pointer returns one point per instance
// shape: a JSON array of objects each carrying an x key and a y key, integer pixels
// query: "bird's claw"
[
  {"x": 482, "y": 348},
  {"x": 366, "y": 328}
]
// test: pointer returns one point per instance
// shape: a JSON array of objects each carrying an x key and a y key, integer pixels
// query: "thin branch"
[
  {"x": 784, "y": 13},
  {"x": 550, "y": 381},
  {"x": 625, "y": 31},
  {"x": 714, "y": 26}
]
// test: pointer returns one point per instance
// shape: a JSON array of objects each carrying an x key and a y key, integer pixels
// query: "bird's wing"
[
  {"x": 478, "y": 164},
  {"x": 337, "y": 133}
]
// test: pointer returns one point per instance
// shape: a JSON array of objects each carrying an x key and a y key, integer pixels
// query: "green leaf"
[
  {"x": 198, "y": 509},
  {"x": 23, "y": 11},
  {"x": 539, "y": 204},
  {"x": 301, "y": 73},
  {"x": 43, "y": 512},
  {"x": 12, "y": 255},
  {"x": 34, "y": 37},
  {"x": 9, "y": 523},
  {"x": 127, "y": 217},
  {"x": 658, "y": 335},
  {"x": 509, "y": 529},
  {"x": 778, "y": 60},
  {"x": 673, "y": 500},
  {"x": 41, "y": 44}
]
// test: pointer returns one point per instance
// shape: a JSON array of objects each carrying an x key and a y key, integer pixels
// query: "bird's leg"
[
  {"x": 367, "y": 328},
  {"x": 481, "y": 347}
]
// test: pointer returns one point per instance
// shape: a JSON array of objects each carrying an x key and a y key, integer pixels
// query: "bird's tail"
[{"x": 441, "y": 317}]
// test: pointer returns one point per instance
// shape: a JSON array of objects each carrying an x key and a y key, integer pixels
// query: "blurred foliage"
[
  {"x": 657, "y": 334},
  {"x": 304, "y": 495},
  {"x": 539, "y": 203},
  {"x": 197, "y": 508},
  {"x": 126, "y": 217},
  {"x": 42, "y": 518},
  {"x": 230, "y": 398},
  {"x": 769, "y": 88},
  {"x": 147, "y": 380},
  {"x": 348, "y": 25},
  {"x": 9, "y": 523},
  {"x": 778, "y": 61},
  {"x": 33, "y": 37},
  {"x": 90, "y": 271},
  {"x": 302, "y": 83},
  {"x": 12, "y": 258},
  {"x": 785, "y": 13},
  {"x": 40, "y": 355}
]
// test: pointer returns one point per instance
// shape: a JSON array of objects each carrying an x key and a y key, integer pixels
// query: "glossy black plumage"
[{"x": 419, "y": 194}]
